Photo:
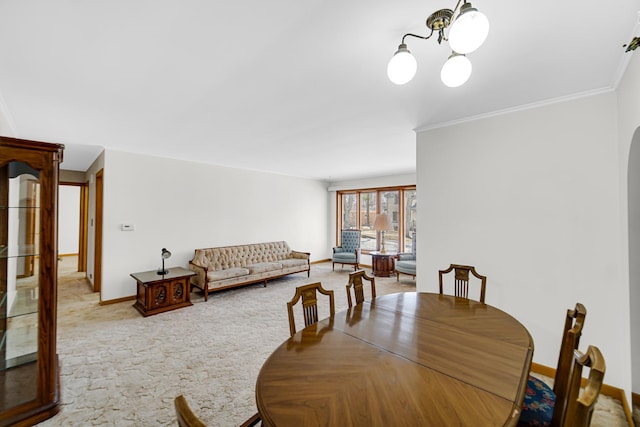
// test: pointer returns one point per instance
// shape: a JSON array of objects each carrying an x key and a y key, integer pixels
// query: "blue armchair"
[
  {"x": 406, "y": 263},
  {"x": 349, "y": 252}
]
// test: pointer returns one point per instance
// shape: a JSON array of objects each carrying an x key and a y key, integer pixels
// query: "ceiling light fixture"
[{"x": 468, "y": 30}]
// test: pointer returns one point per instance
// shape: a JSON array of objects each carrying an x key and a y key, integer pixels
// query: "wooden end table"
[
  {"x": 158, "y": 293},
  {"x": 382, "y": 263}
]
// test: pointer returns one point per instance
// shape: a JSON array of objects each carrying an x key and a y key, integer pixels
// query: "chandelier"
[{"x": 467, "y": 31}]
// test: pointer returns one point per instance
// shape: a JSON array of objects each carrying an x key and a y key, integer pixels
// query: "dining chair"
[
  {"x": 543, "y": 405},
  {"x": 356, "y": 282},
  {"x": 580, "y": 406},
  {"x": 461, "y": 280},
  {"x": 309, "y": 296},
  {"x": 349, "y": 250},
  {"x": 253, "y": 421},
  {"x": 186, "y": 417}
]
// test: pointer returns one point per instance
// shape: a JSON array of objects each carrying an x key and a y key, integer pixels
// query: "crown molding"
[{"x": 517, "y": 109}]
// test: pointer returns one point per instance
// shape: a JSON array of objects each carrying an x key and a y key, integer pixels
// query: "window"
[
  {"x": 349, "y": 211},
  {"x": 389, "y": 204},
  {"x": 368, "y": 209},
  {"x": 357, "y": 209},
  {"x": 409, "y": 219}
]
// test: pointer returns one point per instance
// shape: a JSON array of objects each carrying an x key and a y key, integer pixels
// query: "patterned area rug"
[{"x": 121, "y": 369}]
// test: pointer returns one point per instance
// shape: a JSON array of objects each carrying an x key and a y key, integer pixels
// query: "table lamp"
[
  {"x": 382, "y": 224},
  {"x": 165, "y": 255}
]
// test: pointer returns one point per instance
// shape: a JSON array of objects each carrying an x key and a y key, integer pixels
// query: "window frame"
[{"x": 358, "y": 215}]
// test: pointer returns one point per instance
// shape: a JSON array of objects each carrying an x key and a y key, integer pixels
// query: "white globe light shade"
[
  {"x": 468, "y": 31},
  {"x": 456, "y": 71},
  {"x": 402, "y": 66}
]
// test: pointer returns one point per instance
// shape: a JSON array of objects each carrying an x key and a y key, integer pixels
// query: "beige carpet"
[{"x": 121, "y": 369}]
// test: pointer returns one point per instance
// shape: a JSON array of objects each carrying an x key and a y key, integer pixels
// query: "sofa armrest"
[
  {"x": 201, "y": 274},
  {"x": 406, "y": 257},
  {"x": 301, "y": 255},
  {"x": 337, "y": 249}
]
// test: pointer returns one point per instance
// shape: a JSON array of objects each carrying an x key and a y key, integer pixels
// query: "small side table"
[
  {"x": 382, "y": 263},
  {"x": 158, "y": 293}
]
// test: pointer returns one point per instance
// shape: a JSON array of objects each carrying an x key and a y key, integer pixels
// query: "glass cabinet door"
[{"x": 19, "y": 287}]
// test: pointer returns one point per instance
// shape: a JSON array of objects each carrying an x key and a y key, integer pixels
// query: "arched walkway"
[{"x": 633, "y": 186}]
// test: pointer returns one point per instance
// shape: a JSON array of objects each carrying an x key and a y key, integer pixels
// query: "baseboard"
[
  {"x": 543, "y": 370},
  {"x": 63, "y": 255},
  {"x": 607, "y": 390},
  {"x": 115, "y": 301},
  {"x": 320, "y": 261}
]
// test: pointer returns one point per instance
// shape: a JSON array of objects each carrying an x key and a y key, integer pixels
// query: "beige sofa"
[{"x": 230, "y": 266}]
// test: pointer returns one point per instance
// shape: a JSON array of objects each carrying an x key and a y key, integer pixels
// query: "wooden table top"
[
  {"x": 403, "y": 359},
  {"x": 148, "y": 277}
]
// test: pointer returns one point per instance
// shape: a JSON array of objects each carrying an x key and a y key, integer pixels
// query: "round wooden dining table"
[{"x": 406, "y": 359}]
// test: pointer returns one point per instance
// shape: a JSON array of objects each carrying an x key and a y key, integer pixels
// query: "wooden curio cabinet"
[{"x": 29, "y": 387}]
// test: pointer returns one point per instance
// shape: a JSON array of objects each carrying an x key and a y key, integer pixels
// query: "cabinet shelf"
[
  {"x": 20, "y": 251},
  {"x": 35, "y": 207}
]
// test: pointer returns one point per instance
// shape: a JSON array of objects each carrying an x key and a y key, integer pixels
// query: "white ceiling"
[{"x": 286, "y": 86}]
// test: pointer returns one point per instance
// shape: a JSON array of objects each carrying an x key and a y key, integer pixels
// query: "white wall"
[
  {"x": 183, "y": 205},
  {"x": 7, "y": 127},
  {"x": 629, "y": 158},
  {"x": 634, "y": 256},
  {"x": 532, "y": 199},
  {"x": 95, "y": 167},
  {"x": 68, "y": 219}
]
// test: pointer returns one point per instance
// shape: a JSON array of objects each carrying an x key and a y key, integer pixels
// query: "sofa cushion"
[
  {"x": 293, "y": 262},
  {"x": 261, "y": 267},
  {"x": 212, "y": 276}
]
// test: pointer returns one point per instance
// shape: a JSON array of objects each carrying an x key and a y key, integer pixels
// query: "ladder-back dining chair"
[
  {"x": 544, "y": 406},
  {"x": 349, "y": 250},
  {"x": 356, "y": 281},
  {"x": 580, "y": 406},
  {"x": 461, "y": 280},
  {"x": 186, "y": 417},
  {"x": 309, "y": 296}
]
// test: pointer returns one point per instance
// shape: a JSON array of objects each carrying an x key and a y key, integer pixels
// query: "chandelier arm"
[
  {"x": 417, "y": 36},
  {"x": 457, "y": 5}
]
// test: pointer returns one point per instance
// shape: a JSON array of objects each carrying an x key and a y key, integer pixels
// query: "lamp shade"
[
  {"x": 402, "y": 66},
  {"x": 165, "y": 254},
  {"x": 382, "y": 223},
  {"x": 469, "y": 30},
  {"x": 456, "y": 71}
]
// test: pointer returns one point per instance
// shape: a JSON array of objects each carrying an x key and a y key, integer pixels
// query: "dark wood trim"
[
  {"x": 83, "y": 232},
  {"x": 83, "y": 247},
  {"x": 97, "y": 262}
]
